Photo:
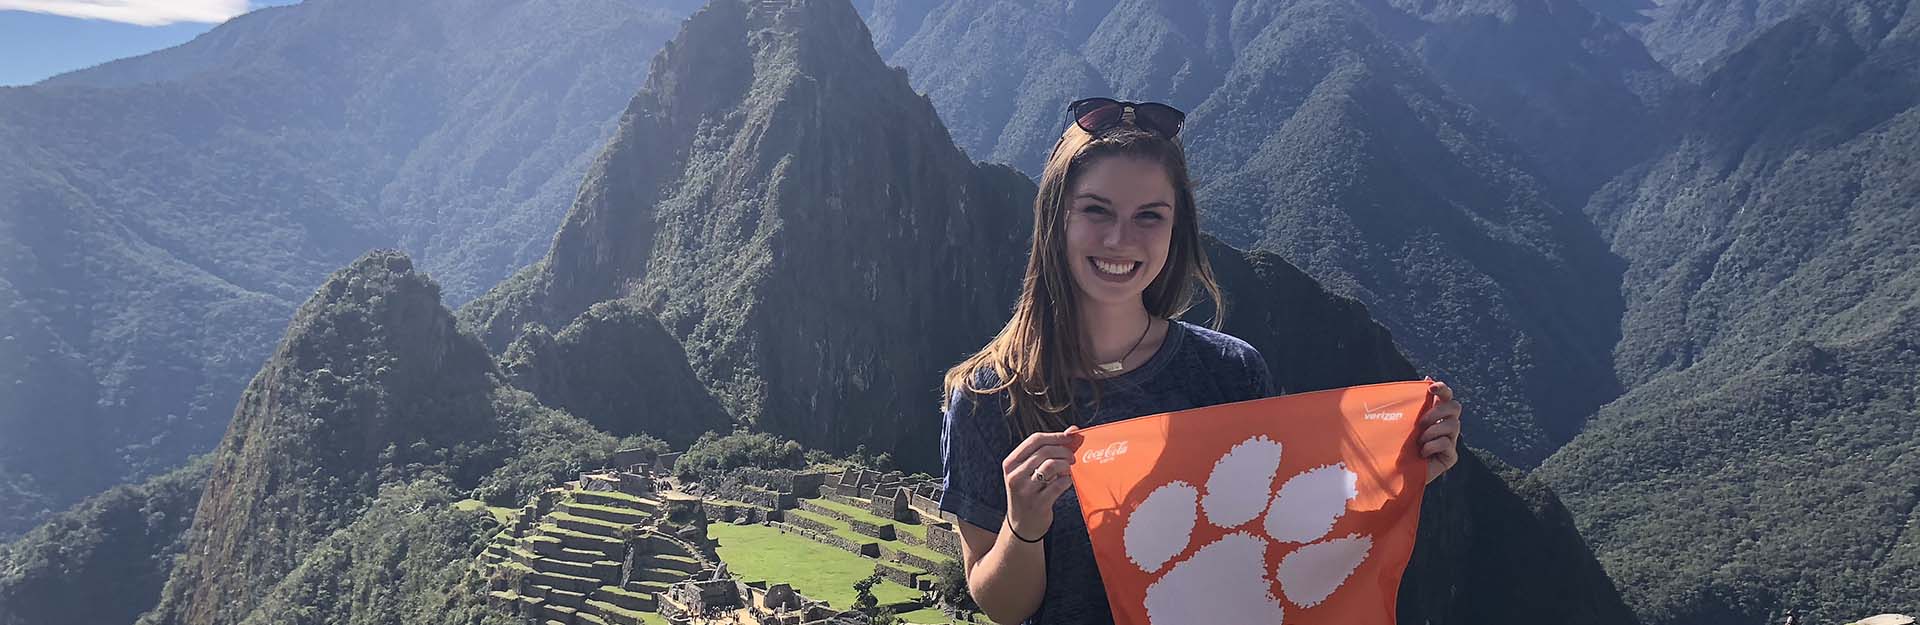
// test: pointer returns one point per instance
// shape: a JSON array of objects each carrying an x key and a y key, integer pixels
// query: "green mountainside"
[
  {"x": 124, "y": 539},
  {"x": 1576, "y": 92},
  {"x": 373, "y": 384},
  {"x": 1767, "y": 456},
  {"x": 1312, "y": 339},
  {"x": 619, "y": 369},
  {"x": 162, "y": 216},
  {"x": 403, "y": 561},
  {"x": 1690, "y": 36}
]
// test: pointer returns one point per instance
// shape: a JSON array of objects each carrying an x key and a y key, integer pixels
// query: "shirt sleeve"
[
  {"x": 973, "y": 442},
  {"x": 1261, "y": 381}
]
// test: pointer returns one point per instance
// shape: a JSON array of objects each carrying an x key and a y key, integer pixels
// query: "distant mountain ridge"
[
  {"x": 1691, "y": 36},
  {"x": 162, "y": 216}
]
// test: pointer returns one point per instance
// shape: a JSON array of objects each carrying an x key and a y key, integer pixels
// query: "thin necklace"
[{"x": 1115, "y": 366}]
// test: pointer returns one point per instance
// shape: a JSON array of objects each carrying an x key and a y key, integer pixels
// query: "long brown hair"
[{"x": 1034, "y": 356}]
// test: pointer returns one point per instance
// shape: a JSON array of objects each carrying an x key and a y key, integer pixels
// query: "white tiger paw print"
[{"x": 1228, "y": 581}]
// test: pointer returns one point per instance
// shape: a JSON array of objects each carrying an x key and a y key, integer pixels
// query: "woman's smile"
[{"x": 1112, "y": 270}]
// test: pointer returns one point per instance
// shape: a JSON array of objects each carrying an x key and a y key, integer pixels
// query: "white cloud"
[{"x": 142, "y": 12}]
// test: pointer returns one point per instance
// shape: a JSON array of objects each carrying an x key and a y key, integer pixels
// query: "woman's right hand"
[{"x": 1036, "y": 475}]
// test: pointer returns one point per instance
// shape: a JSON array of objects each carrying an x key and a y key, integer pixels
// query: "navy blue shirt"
[{"x": 1194, "y": 367}]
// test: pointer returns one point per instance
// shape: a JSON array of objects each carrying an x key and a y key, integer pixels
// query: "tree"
[
  {"x": 713, "y": 454},
  {"x": 863, "y": 598},
  {"x": 950, "y": 581}
]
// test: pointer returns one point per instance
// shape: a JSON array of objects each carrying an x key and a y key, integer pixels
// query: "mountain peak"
[
  {"x": 833, "y": 25},
  {"x": 794, "y": 214},
  {"x": 378, "y": 273}
]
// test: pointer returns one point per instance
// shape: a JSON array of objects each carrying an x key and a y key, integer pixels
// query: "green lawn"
[{"x": 759, "y": 552}]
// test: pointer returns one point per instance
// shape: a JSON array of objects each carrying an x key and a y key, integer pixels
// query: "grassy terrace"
[
  {"x": 612, "y": 528},
  {"x": 553, "y": 532},
  {"x": 608, "y": 608},
  {"x": 503, "y": 515},
  {"x": 759, "y": 552},
  {"x": 575, "y": 505},
  {"x": 844, "y": 530},
  {"x": 612, "y": 494},
  {"x": 840, "y": 528},
  {"x": 860, "y": 513},
  {"x": 616, "y": 590},
  {"x": 595, "y": 501}
]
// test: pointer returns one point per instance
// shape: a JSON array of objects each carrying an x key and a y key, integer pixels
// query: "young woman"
[{"x": 1116, "y": 256}]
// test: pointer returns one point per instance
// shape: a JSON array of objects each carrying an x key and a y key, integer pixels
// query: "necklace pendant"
[{"x": 1110, "y": 367}]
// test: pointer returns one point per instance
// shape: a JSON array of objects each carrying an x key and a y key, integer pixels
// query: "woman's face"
[{"x": 1119, "y": 227}]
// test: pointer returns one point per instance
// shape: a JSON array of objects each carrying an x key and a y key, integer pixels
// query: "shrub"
[{"x": 713, "y": 455}]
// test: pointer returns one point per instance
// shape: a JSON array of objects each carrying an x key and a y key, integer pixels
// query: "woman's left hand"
[{"x": 1440, "y": 440}]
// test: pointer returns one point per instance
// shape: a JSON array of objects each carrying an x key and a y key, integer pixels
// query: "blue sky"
[{"x": 41, "y": 38}]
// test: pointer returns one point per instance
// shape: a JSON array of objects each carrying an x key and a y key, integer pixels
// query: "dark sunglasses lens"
[
  {"x": 1096, "y": 115},
  {"x": 1162, "y": 118}
]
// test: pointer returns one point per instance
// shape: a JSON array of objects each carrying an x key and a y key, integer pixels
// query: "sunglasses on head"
[{"x": 1096, "y": 115}]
